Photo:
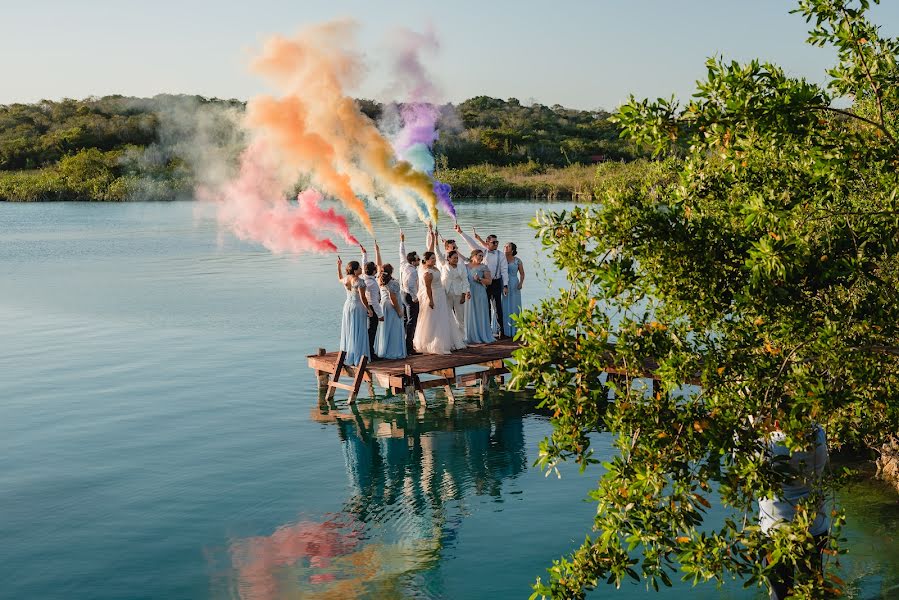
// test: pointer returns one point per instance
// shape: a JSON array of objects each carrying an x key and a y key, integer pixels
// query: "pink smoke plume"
[
  {"x": 258, "y": 560},
  {"x": 415, "y": 141},
  {"x": 255, "y": 207}
]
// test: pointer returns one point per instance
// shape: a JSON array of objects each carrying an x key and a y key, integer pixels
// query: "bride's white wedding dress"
[{"x": 436, "y": 332}]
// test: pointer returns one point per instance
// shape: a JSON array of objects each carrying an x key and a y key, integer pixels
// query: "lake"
[{"x": 161, "y": 435}]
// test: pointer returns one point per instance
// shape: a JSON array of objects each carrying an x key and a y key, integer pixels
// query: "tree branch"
[
  {"x": 852, "y": 115},
  {"x": 861, "y": 57}
]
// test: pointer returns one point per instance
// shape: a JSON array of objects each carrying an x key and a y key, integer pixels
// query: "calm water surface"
[{"x": 161, "y": 436}]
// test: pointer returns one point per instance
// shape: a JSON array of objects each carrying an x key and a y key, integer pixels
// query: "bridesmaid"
[
  {"x": 512, "y": 301},
  {"x": 391, "y": 340},
  {"x": 356, "y": 311},
  {"x": 477, "y": 312}
]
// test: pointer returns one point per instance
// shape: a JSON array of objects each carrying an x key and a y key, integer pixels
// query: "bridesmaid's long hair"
[
  {"x": 427, "y": 256},
  {"x": 386, "y": 274},
  {"x": 352, "y": 267}
]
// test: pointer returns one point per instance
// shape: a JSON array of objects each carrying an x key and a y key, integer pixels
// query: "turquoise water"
[{"x": 161, "y": 436}]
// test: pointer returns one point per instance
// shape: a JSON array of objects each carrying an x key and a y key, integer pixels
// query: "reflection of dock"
[{"x": 405, "y": 375}]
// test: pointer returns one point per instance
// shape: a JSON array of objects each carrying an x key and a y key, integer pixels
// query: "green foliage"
[
  {"x": 534, "y": 180},
  {"x": 762, "y": 267},
  {"x": 499, "y": 132},
  {"x": 35, "y": 138},
  {"x": 95, "y": 175}
]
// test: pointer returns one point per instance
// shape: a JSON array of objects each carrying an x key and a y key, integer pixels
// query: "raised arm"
[
  {"x": 478, "y": 238},
  {"x": 339, "y": 270},
  {"x": 403, "y": 260},
  {"x": 378, "y": 256},
  {"x": 431, "y": 238},
  {"x": 470, "y": 240},
  {"x": 437, "y": 251},
  {"x": 364, "y": 255}
]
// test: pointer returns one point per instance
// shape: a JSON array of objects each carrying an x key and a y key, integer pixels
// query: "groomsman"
[
  {"x": 409, "y": 263},
  {"x": 373, "y": 293},
  {"x": 496, "y": 263}
]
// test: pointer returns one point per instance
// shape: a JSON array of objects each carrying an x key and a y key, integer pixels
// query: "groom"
[
  {"x": 496, "y": 263},
  {"x": 409, "y": 263}
]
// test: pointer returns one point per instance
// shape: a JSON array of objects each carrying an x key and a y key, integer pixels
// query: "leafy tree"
[{"x": 763, "y": 269}]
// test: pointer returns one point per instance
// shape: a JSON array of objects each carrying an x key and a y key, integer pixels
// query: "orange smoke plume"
[{"x": 318, "y": 130}]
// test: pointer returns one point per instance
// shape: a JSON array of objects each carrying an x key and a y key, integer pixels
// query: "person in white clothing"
[
  {"x": 499, "y": 271},
  {"x": 409, "y": 263},
  {"x": 454, "y": 277},
  {"x": 372, "y": 271},
  {"x": 436, "y": 332}
]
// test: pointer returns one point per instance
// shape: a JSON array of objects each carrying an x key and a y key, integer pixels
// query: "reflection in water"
[{"x": 410, "y": 470}]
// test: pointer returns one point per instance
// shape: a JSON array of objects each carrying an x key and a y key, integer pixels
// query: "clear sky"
[{"x": 582, "y": 54}]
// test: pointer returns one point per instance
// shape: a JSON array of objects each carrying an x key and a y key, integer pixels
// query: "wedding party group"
[{"x": 438, "y": 302}]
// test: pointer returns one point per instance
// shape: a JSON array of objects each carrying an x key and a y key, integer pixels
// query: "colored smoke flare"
[
  {"x": 415, "y": 140},
  {"x": 254, "y": 207},
  {"x": 313, "y": 131},
  {"x": 318, "y": 130}
]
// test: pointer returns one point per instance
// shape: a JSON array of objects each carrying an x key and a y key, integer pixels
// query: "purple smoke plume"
[{"x": 415, "y": 141}]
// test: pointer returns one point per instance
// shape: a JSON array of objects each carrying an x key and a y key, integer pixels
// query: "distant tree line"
[{"x": 97, "y": 148}]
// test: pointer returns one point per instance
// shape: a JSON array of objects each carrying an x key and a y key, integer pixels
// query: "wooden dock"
[{"x": 416, "y": 373}]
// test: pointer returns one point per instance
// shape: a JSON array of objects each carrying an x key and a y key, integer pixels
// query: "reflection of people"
[
  {"x": 808, "y": 469},
  {"x": 356, "y": 311},
  {"x": 512, "y": 300}
]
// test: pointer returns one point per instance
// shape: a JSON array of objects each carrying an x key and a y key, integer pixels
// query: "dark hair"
[
  {"x": 388, "y": 268},
  {"x": 411, "y": 256},
  {"x": 352, "y": 267},
  {"x": 514, "y": 248},
  {"x": 475, "y": 253},
  {"x": 451, "y": 254},
  {"x": 370, "y": 268},
  {"x": 427, "y": 256},
  {"x": 492, "y": 237},
  {"x": 446, "y": 243},
  {"x": 386, "y": 276}
]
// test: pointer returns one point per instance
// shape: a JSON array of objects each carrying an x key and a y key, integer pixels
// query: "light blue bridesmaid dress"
[
  {"x": 391, "y": 340},
  {"x": 512, "y": 301},
  {"x": 477, "y": 315},
  {"x": 354, "y": 327}
]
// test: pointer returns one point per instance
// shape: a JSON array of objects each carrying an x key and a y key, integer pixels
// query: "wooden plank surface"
[{"x": 426, "y": 363}]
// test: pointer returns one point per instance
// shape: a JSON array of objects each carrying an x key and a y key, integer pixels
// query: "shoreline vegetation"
[{"x": 118, "y": 148}]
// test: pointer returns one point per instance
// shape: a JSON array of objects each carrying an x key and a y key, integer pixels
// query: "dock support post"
[
  {"x": 322, "y": 376},
  {"x": 357, "y": 380},
  {"x": 413, "y": 385},
  {"x": 336, "y": 375}
]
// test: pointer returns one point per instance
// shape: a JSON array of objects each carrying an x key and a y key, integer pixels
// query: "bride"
[{"x": 435, "y": 333}]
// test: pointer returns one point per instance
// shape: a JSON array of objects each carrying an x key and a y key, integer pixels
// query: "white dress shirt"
[
  {"x": 372, "y": 289},
  {"x": 408, "y": 274},
  {"x": 495, "y": 260}
]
